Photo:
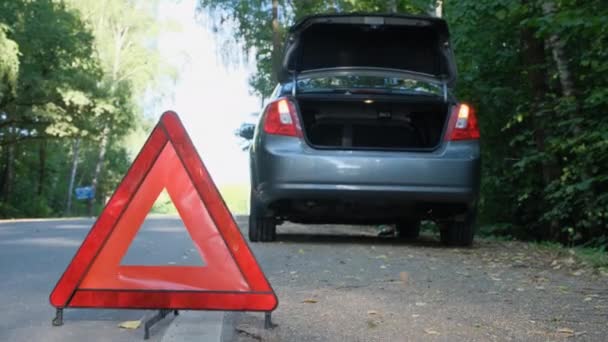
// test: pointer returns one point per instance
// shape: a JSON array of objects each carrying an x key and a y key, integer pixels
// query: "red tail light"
[
  {"x": 281, "y": 118},
  {"x": 462, "y": 124}
]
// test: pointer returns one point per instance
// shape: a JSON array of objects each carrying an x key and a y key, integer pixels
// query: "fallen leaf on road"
[
  {"x": 431, "y": 332},
  {"x": 569, "y": 261},
  {"x": 249, "y": 331},
  {"x": 565, "y": 331},
  {"x": 372, "y": 324},
  {"x": 310, "y": 301},
  {"x": 382, "y": 256},
  {"x": 405, "y": 278},
  {"x": 301, "y": 251},
  {"x": 372, "y": 312},
  {"x": 130, "y": 324}
]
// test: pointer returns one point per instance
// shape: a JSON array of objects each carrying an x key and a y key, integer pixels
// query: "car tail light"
[
  {"x": 281, "y": 118},
  {"x": 462, "y": 124}
]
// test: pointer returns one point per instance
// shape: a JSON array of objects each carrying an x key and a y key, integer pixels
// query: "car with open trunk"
[{"x": 364, "y": 128}]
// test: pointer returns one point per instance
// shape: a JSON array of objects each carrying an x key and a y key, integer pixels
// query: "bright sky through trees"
[{"x": 211, "y": 99}]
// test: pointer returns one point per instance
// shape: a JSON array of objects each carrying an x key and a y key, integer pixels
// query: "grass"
[
  {"x": 594, "y": 257},
  {"x": 236, "y": 197}
]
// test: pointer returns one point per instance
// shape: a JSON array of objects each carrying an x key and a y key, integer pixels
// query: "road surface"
[{"x": 334, "y": 284}]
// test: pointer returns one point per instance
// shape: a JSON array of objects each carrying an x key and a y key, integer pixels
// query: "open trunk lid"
[{"x": 412, "y": 44}]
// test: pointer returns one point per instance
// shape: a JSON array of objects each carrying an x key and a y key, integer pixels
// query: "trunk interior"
[{"x": 373, "y": 124}]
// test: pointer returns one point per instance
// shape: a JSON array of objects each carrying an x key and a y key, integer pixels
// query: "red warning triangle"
[{"x": 231, "y": 279}]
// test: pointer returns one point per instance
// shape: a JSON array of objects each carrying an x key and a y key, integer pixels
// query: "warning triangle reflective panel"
[{"x": 230, "y": 278}]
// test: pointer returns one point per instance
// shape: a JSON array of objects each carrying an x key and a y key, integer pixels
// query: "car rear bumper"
[
  {"x": 288, "y": 169},
  {"x": 270, "y": 192}
]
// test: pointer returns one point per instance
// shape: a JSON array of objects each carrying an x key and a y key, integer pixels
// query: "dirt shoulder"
[{"x": 340, "y": 284}]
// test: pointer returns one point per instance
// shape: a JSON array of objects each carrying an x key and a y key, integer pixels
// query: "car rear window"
[{"x": 371, "y": 83}]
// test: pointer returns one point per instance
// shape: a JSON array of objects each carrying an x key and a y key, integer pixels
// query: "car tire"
[
  {"x": 409, "y": 229},
  {"x": 459, "y": 233},
  {"x": 261, "y": 228}
]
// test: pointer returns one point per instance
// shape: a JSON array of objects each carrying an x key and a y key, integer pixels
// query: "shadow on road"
[{"x": 423, "y": 241}]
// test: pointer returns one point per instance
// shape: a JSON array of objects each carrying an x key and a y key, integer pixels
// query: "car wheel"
[
  {"x": 458, "y": 233},
  {"x": 409, "y": 229},
  {"x": 263, "y": 229}
]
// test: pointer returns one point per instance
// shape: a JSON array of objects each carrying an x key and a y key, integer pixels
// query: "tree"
[
  {"x": 544, "y": 184},
  {"x": 122, "y": 30},
  {"x": 50, "y": 72},
  {"x": 71, "y": 74},
  {"x": 9, "y": 63}
]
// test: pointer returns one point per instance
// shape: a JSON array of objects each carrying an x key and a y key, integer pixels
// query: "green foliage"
[
  {"x": 544, "y": 152},
  {"x": 70, "y": 71},
  {"x": 164, "y": 205},
  {"x": 50, "y": 69},
  {"x": 236, "y": 197},
  {"x": 9, "y": 63}
]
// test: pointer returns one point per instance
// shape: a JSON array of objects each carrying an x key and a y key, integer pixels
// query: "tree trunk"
[
  {"x": 335, "y": 7},
  {"x": 120, "y": 36},
  {"x": 438, "y": 8},
  {"x": 557, "y": 46},
  {"x": 75, "y": 150},
  {"x": 103, "y": 145},
  {"x": 534, "y": 60},
  {"x": 276, "y": 41},
  {"x": 8, "y": 173},
  {"x": 435, "y": 8},
  {"x": 392, "y": 6},
  {"x": 41, "y": 167}
]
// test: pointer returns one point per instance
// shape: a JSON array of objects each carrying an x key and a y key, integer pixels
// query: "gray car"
[{"x": 364, "y": 129}]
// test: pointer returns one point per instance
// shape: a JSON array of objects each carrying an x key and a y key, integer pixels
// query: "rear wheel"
[
  {"x": 261, "y": 228},
  {"x": 459, "y": 232},
  {"x": 409, "y": 229}
]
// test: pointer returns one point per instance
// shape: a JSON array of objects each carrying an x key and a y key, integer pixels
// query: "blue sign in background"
[{"x": 85, "y": 192}]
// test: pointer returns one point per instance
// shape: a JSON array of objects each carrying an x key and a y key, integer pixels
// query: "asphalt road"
[
  {"x": 34, "y": 254},
  {"x": 334, "y": 284}
]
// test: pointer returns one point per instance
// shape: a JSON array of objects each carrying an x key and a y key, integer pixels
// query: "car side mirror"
[{"x": 246, "y": 131}]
